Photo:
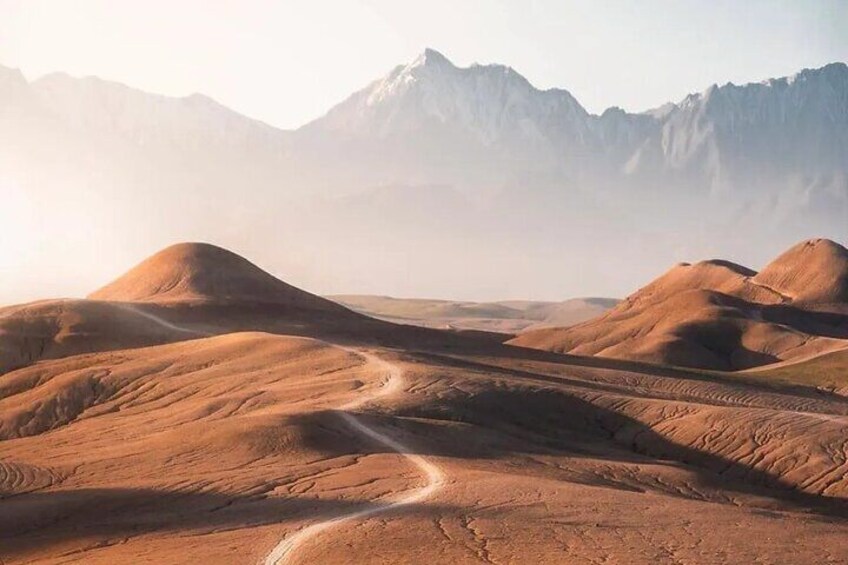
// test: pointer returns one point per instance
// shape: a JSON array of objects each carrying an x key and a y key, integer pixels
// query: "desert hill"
[
  {"x": 719, "y": 315},
  {"x": 186, "y": 291},
  {"x": 200, "y": 272},
  {"x": 189, "y": 291},
  {"x": 811, "y": 272},
  {"x": 508, "y": 316},
  {"x": 52, "y": 329}
]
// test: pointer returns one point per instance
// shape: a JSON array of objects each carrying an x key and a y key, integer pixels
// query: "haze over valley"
[{"x": 425, "y": 156}]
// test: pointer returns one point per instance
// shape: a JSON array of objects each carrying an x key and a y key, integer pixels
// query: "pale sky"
[{"x": 288, "y": 62}]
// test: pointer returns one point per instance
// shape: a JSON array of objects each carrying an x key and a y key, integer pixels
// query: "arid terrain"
[
  {"x": 719, "y": 315},
  {"x": 198, "y": 410},
  {"x": 506, "y": 316}
]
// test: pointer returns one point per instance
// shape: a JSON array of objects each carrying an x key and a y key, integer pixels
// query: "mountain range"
[{"x": 424, "y": 172}]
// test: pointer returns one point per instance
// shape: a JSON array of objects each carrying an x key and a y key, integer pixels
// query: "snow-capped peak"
[
  {"x": 430, "y": 57},
  {"x": 489, "y": 102}
]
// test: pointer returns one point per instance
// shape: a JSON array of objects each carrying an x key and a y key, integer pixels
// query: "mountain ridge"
[
  {"x": 492, "y": 159},
  {"x": 828, "y": 69}
]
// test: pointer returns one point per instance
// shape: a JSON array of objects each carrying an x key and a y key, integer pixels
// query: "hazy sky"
[{"x": 288, "y": 62}]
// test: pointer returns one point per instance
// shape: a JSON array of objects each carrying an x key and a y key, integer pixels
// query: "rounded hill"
[{"x": 200, "y": 272}]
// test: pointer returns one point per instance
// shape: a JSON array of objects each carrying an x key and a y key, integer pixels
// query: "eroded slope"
[{"x": 718, "y": 315}]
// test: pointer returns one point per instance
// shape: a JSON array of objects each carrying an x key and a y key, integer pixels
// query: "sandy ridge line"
[{"x": 286, "y": 548}]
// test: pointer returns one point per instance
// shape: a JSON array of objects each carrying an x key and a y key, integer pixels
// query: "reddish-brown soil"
[
  {"x": 211, "y": 429},
  {"x": 718, "y": 315}
]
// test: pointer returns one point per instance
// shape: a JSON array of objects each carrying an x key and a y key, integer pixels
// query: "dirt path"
[
  {"x": 434, "y": 477},
  {"x": 285, "y": 550},
  {"x": 154, "y": 318}
]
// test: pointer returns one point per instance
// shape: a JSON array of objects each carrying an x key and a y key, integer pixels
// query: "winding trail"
[
  {"x": 154, "y": 318},
  {"x": 783, "y": 297},
  {"x": 435, "y": 478},
  {"x": 393, "y": 383}
]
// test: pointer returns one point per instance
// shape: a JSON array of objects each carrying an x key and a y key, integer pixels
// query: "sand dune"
[
  {"x": 254, "y": 426},
  {"x": 718, "y": 315}
]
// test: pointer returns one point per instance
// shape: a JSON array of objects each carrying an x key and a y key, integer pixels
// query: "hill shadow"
[
  {"x": 517, "y": 353},
  {"x": 497, "y": 423},
  {"x": 825, "y": 324},
  {"x": 39, "y": 519}
]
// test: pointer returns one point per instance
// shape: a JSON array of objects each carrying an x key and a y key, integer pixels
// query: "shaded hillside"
[
  {"x": 812, "y": 272},
  {"x": 719, "y": 315},
  {"x": 827, "y": 371}
]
